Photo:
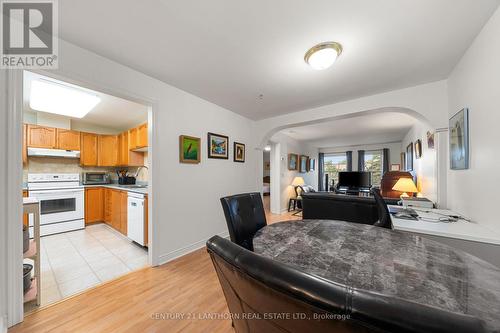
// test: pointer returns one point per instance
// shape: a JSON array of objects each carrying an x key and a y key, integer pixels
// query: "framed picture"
[
  {"x": 403, "y": 161},
  {"x": 218, "y": 146},
  {"x": 418, "y": 149},
  {"x": 189, "y": 149},
  {"x": 311, "y": 164},
  {"x": 409, "y": 157},
  {"x": 459, "y": 140},
  {"x": 303, "y": 163},
  {"x": 293, "y": 162},
  {"x": 395, "y": 167},
  {"x": 430, "y": 140},
  {"x": 239, "y": 152}
]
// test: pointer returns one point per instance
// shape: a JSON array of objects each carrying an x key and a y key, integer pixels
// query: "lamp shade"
[
  {"x": 405, "y": 185},
  {"x": 298, "y": 181}
]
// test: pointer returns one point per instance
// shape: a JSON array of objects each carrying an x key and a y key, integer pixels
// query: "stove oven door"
[{"x": 60, "y": 205}]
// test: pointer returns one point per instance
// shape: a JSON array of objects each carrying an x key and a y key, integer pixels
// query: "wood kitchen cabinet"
[
  {"x": 25, "y": 216},
  {"x": 41, "y": 137},
  {"x": 89, "y": 149},
  {"x": 108, "y": 150},
  {"x": 25, "y": 148},
  {"x": 94, "y": 205},
  {"x": 142, "y": 136},
  {"x": 107, "y": 205},
  {"x": 132, "y": 138},
  {"x": 123, "y": 212},
  {"x": 128, "y": 157},
  {"x": 68, "y": 139},
  {"x": 112, "y": 208}
]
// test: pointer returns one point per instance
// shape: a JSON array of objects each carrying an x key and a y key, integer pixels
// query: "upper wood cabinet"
[
  {"x": 142, "y": 136},
  {"x": 68, "y": 139},
  {"x": 94, "y": 205},
  {"x": 132, "y": 138},
  {"x": 89, "y": 149},
  {"x": 25, "y": 148},
  {"x": 41, "y": 137},
  {"x": 128, "y": 157},
  {"x": 108, "y": 150}
]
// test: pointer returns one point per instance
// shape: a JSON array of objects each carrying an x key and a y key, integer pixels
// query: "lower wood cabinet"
[
  {"x": 109, "y": 205},
  {"x": 25, "y": 216}
]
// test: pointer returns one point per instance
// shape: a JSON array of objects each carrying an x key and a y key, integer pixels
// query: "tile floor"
[{"x": 74, "y": 261}]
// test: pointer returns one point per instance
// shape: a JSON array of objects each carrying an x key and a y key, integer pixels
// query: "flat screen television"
[{"x": 355, "y": 179}]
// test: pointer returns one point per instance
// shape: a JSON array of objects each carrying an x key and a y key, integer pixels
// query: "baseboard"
[{"x": 164, "y": 258}]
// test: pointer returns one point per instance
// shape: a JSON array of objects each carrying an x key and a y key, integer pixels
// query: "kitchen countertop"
[
  {"x": 122, "y": 188},
  {"x": 389, "y": 262}
]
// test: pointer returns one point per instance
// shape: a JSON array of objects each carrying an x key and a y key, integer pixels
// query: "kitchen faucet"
[{"x": 139, "y": 170}]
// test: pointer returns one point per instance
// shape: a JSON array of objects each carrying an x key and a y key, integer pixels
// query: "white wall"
[
  {"x": 394, "y": 151},
  {"x": 4, "y": 149},
  {"x": 426, "y": 166},
  {"x": 475, "y": 83},
  {"x": 290, "y": 146}
]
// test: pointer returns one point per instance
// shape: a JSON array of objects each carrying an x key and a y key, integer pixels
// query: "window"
[
  {"x": 373, "y": 163},
  {"x": 333, "y": 163}
]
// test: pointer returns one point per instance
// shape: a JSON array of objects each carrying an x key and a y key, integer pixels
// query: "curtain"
[
  {"x": 348, "y": 155},
  {"x": 361, "y": 160},
  {"x": 321, "y": 172},
  {"x": 385, "y": 159}
]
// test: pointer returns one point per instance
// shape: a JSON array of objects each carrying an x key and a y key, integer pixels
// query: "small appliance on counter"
[{"x": 96, "y": 178}]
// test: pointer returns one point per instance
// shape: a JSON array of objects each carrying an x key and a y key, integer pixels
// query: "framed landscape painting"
[
  {"x": 189, "y": 149},
  {"x": 311, "y": 164},
  {"x": 303, "y": 163},
  {"x": 293, "y": 161},
  {"x": 459, "y": 140},
  {"x": 218, "y": 146},
  {"x": 418, "y": 149},
  {"x": 239, "y": 152}
]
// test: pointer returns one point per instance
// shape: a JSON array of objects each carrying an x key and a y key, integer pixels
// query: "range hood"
[{"x": 53, "y": 153}]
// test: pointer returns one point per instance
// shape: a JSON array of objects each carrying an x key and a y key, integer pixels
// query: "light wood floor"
[{"x": 184, "y": 286}]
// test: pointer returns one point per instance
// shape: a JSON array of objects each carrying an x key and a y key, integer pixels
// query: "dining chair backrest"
[
  {"x": 244, "y": 217},
  {"x": 384, "y": 218}
]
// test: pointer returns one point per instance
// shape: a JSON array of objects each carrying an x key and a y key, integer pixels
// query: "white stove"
[{"x": 61, "y": 199}]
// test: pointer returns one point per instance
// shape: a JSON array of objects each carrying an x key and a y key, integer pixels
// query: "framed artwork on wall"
[
  {"x": 459, "y": 140},
  {"x": 218, "y": 146},
  {"x": 418, "y": 149},
  {"x": 293, "y": 162},
  {"x": 430, "y": 140},
  {"x": 189, "y": 149},
  {"x": 409, "y": 157},
  {"x": 239, "y": 152},
  {"x": 311, "y": 164},
  {"x": 395, "y": 167},
  {"x": 303, "y": 163}
]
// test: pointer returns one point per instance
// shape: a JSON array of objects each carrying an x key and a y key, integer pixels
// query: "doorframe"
[{"x": 15, "y": 303}]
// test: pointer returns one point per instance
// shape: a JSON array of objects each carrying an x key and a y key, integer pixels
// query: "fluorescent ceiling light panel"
[{"x": 53, "y": 97}]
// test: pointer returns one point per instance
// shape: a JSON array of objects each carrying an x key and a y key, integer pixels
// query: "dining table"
[{"x": 390, "y": 262}]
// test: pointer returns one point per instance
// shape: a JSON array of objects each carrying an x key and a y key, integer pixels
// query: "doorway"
[
  {"x": 91, "y": 176},
  {"x": 266, "y": 180}
]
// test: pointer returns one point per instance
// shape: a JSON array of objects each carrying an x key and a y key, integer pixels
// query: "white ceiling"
[
  {"x": 231, "y": 51},
  {"x": 111, "y": 112},
  {"x": 375, "y": 128}
]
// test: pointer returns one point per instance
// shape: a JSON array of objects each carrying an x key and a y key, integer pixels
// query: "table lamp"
[
  {"x": 297, "y": 181},
  {"x": 405, "y": 185}
]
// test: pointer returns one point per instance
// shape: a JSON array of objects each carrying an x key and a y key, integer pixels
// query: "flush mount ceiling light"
[
  {"x": 323, "y": 55},
  {"x": 267, "y": 148},
  {"x": 53, "y": 97}
]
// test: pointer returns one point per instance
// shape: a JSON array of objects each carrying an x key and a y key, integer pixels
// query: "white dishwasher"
[{"x": 135, "y": 217}]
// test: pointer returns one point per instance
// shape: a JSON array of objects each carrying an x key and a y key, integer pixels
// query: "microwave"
[{"x": 96, "y": 178}]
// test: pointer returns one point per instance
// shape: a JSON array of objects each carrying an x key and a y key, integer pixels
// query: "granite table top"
[{"x": 390, "y": 262}]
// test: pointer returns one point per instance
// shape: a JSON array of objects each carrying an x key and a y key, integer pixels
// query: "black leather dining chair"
[
  {"x": 244, "y": 217},
  {"x": 384, "y": 217}
]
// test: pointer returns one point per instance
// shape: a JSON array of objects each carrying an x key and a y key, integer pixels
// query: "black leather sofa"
[
  {"x": 331, "y": 206},
  {"x": 264, "y": 295}
]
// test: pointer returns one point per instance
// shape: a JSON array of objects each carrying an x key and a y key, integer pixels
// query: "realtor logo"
[{"x": 29, "y": 34}]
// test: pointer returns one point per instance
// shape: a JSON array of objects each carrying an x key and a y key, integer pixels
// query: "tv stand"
[{"x": 353, "y": 190}]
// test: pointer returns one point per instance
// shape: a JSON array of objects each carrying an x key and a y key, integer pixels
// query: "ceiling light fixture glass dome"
[{"x": 323, "y": 55}]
